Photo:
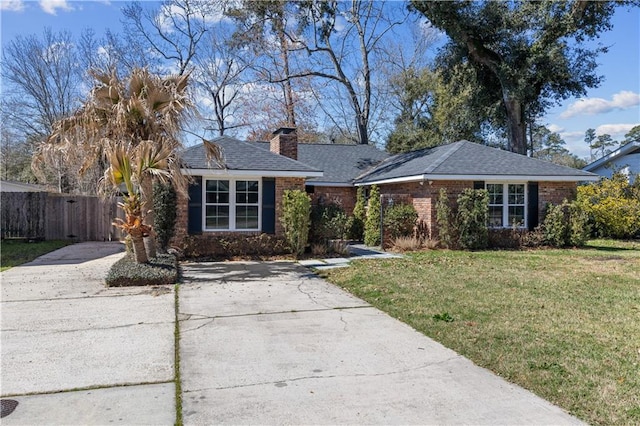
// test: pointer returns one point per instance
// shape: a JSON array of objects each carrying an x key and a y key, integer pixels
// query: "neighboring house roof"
[
  {"x": 244, "y": 158},
  {"x": 6, "y": 186},
  {"x": 627, "y": 149},
  {"x": 466, "y": 160},
  {"x": 341, "y": 163}
]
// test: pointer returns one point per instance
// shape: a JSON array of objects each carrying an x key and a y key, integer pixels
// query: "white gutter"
[
  {"x": 332, "y": 184},
  {"x": 267, "y": 173}
]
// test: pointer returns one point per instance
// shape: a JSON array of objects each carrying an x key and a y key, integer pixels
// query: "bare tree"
[
  {"x": 265, "y": 27},
  {"x": 173, "y": 31},
  {"x": 220, "y": 74},
  {"x": 42, "y": 79},
  {"x": 341, "y": 45}
]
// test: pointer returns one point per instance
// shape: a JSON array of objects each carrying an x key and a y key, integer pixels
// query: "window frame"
[
  {"x": 506, "y": 205},
  {"x": 232, "y": 203}
]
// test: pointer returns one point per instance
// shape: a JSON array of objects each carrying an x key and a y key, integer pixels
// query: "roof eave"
[
  {"x": 494, "y": 178},
  {"x": 612, "y": 156},
  {"x": 331, "y": 184},
  {"x": 235, "y": 172}
]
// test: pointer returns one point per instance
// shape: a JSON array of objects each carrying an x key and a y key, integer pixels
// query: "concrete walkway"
[
  {"x": 75, "y": 352},
  {"x": 266, "y": 343}
]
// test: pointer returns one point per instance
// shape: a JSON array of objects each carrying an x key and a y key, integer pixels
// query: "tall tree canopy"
[{"x": 526, "y": 55}]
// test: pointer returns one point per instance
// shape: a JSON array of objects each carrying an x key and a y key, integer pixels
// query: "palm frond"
[{"x": 213, "y": 153}]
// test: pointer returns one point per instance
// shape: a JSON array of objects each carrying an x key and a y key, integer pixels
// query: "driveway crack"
[{"x": 297, "y": 379}]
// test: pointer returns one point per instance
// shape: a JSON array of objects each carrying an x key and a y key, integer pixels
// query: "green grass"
[
  {"x": 17, "y": 252},
  {"x": 564, "y": 324}
]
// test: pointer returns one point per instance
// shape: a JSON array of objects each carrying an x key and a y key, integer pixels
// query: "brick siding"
[
  {"x": 554, "y": 193},
  {"x": 344, "y": 197},
  {"x": 424, "y": 197}
]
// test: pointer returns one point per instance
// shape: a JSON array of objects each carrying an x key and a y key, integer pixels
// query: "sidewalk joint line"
[{"x": 87, "y": 388}]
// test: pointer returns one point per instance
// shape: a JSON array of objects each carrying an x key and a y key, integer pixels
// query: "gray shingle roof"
[
  {"x": 341, "y": 164},
  {"x": 465, "y": 158},
  {"x": 240, "y": 155}
]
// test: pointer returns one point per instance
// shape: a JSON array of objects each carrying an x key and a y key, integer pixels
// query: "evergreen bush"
[
  {"x": 400, "y": 220},
  {"x": 566, "y": 224},
  {"x": 356, "y": 222},
  {"x": 372, "y": 223},
  {"x": 328, "y": 222},
  {"x": 296, "y": 219},
  {"x": 444, "y": 220},
  {"x": 165, "y": 208},
  {"x": 472, "y": 219}
]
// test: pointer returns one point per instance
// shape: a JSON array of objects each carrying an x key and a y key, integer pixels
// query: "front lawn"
[
  {"x": 17, "y": 252},
  {"x": 564, "y": 324}
]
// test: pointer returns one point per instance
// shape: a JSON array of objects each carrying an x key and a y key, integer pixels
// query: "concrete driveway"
[
  {"x": 270, "y": 343},
  {"x": 260, "y": 343},
  {"x": 75, "y": 352}
]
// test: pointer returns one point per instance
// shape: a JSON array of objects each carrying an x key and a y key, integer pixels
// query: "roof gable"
[{"x": 468, "y": 160}]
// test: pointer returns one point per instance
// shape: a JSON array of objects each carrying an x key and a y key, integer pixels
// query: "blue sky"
[{"x": 612, "y": 108}]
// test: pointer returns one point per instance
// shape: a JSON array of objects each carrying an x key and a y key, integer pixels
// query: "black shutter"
[
  {"x": 269, "y": 205},
  {"x": 478, "y": 184},
  {"x": 195, "y": 206},
  {"x": 532, "y": 211}
]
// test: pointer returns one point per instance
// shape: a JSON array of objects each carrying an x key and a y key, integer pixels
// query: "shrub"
[
  {"x": 400, "y": 220},
  {"x": 555, "y": 225},
  {"x": 472, "y": 218},
  {"x": 356, "y": 225},
  {"x": 328, "y": 222},
  {"x": 372, "y": 224},
  {"x": 296, "y": 219},
  {"x": 444, "y": 220},
  {"x": 230, "y": 246},
  {"x": 514, "y": 238},
  {"x": 160, "y": 270},
  {"x": 613, "y": 206},
  {"x": 355, "y": 228},
  {"x": 165, "y": 209},
  {"x": 579, "y": 227},
  {"x": 565, "y": 224}
]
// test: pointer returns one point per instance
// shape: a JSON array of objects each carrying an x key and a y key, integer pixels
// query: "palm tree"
[
  {"x": 145, "y": 111},
  {"x": 130, "y": 166}
]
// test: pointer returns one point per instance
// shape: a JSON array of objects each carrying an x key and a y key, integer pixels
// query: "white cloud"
[
  {"x": 12, "y": 5},
  {"x": 615, "y": 129},
  {"x": 591, "y": 106},
  {"x": 51, "y": 6},
  {"x": 554, "y": 128}
]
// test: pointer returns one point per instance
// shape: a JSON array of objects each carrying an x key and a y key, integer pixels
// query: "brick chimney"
[{"x": 285, "y": 142}]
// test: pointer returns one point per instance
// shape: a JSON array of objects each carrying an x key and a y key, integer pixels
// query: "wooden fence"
[{"x": 42, "y": 215}]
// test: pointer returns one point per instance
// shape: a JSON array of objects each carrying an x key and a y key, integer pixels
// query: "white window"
[
  {"x": 507, "y": 204},
  {"x": 232, "y": 205}
]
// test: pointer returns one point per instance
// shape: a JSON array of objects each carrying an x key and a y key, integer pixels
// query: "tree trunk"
[
  {"x": 147, "y": 211},
  {"x": 516, "y": 123},
  {"x": 363, "y": 136},
  {"x": 288, "y": 91},
  {"x": 139, "y": 251}
]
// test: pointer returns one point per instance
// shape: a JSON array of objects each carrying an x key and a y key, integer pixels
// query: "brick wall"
[
  {"x": 424, "y": 198},
  {"x": 344, "y": 197},
  {"x": 182, "y": 219},
  {"x": 554, "y": 193},
  {"x": 283, "y": 184}
]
